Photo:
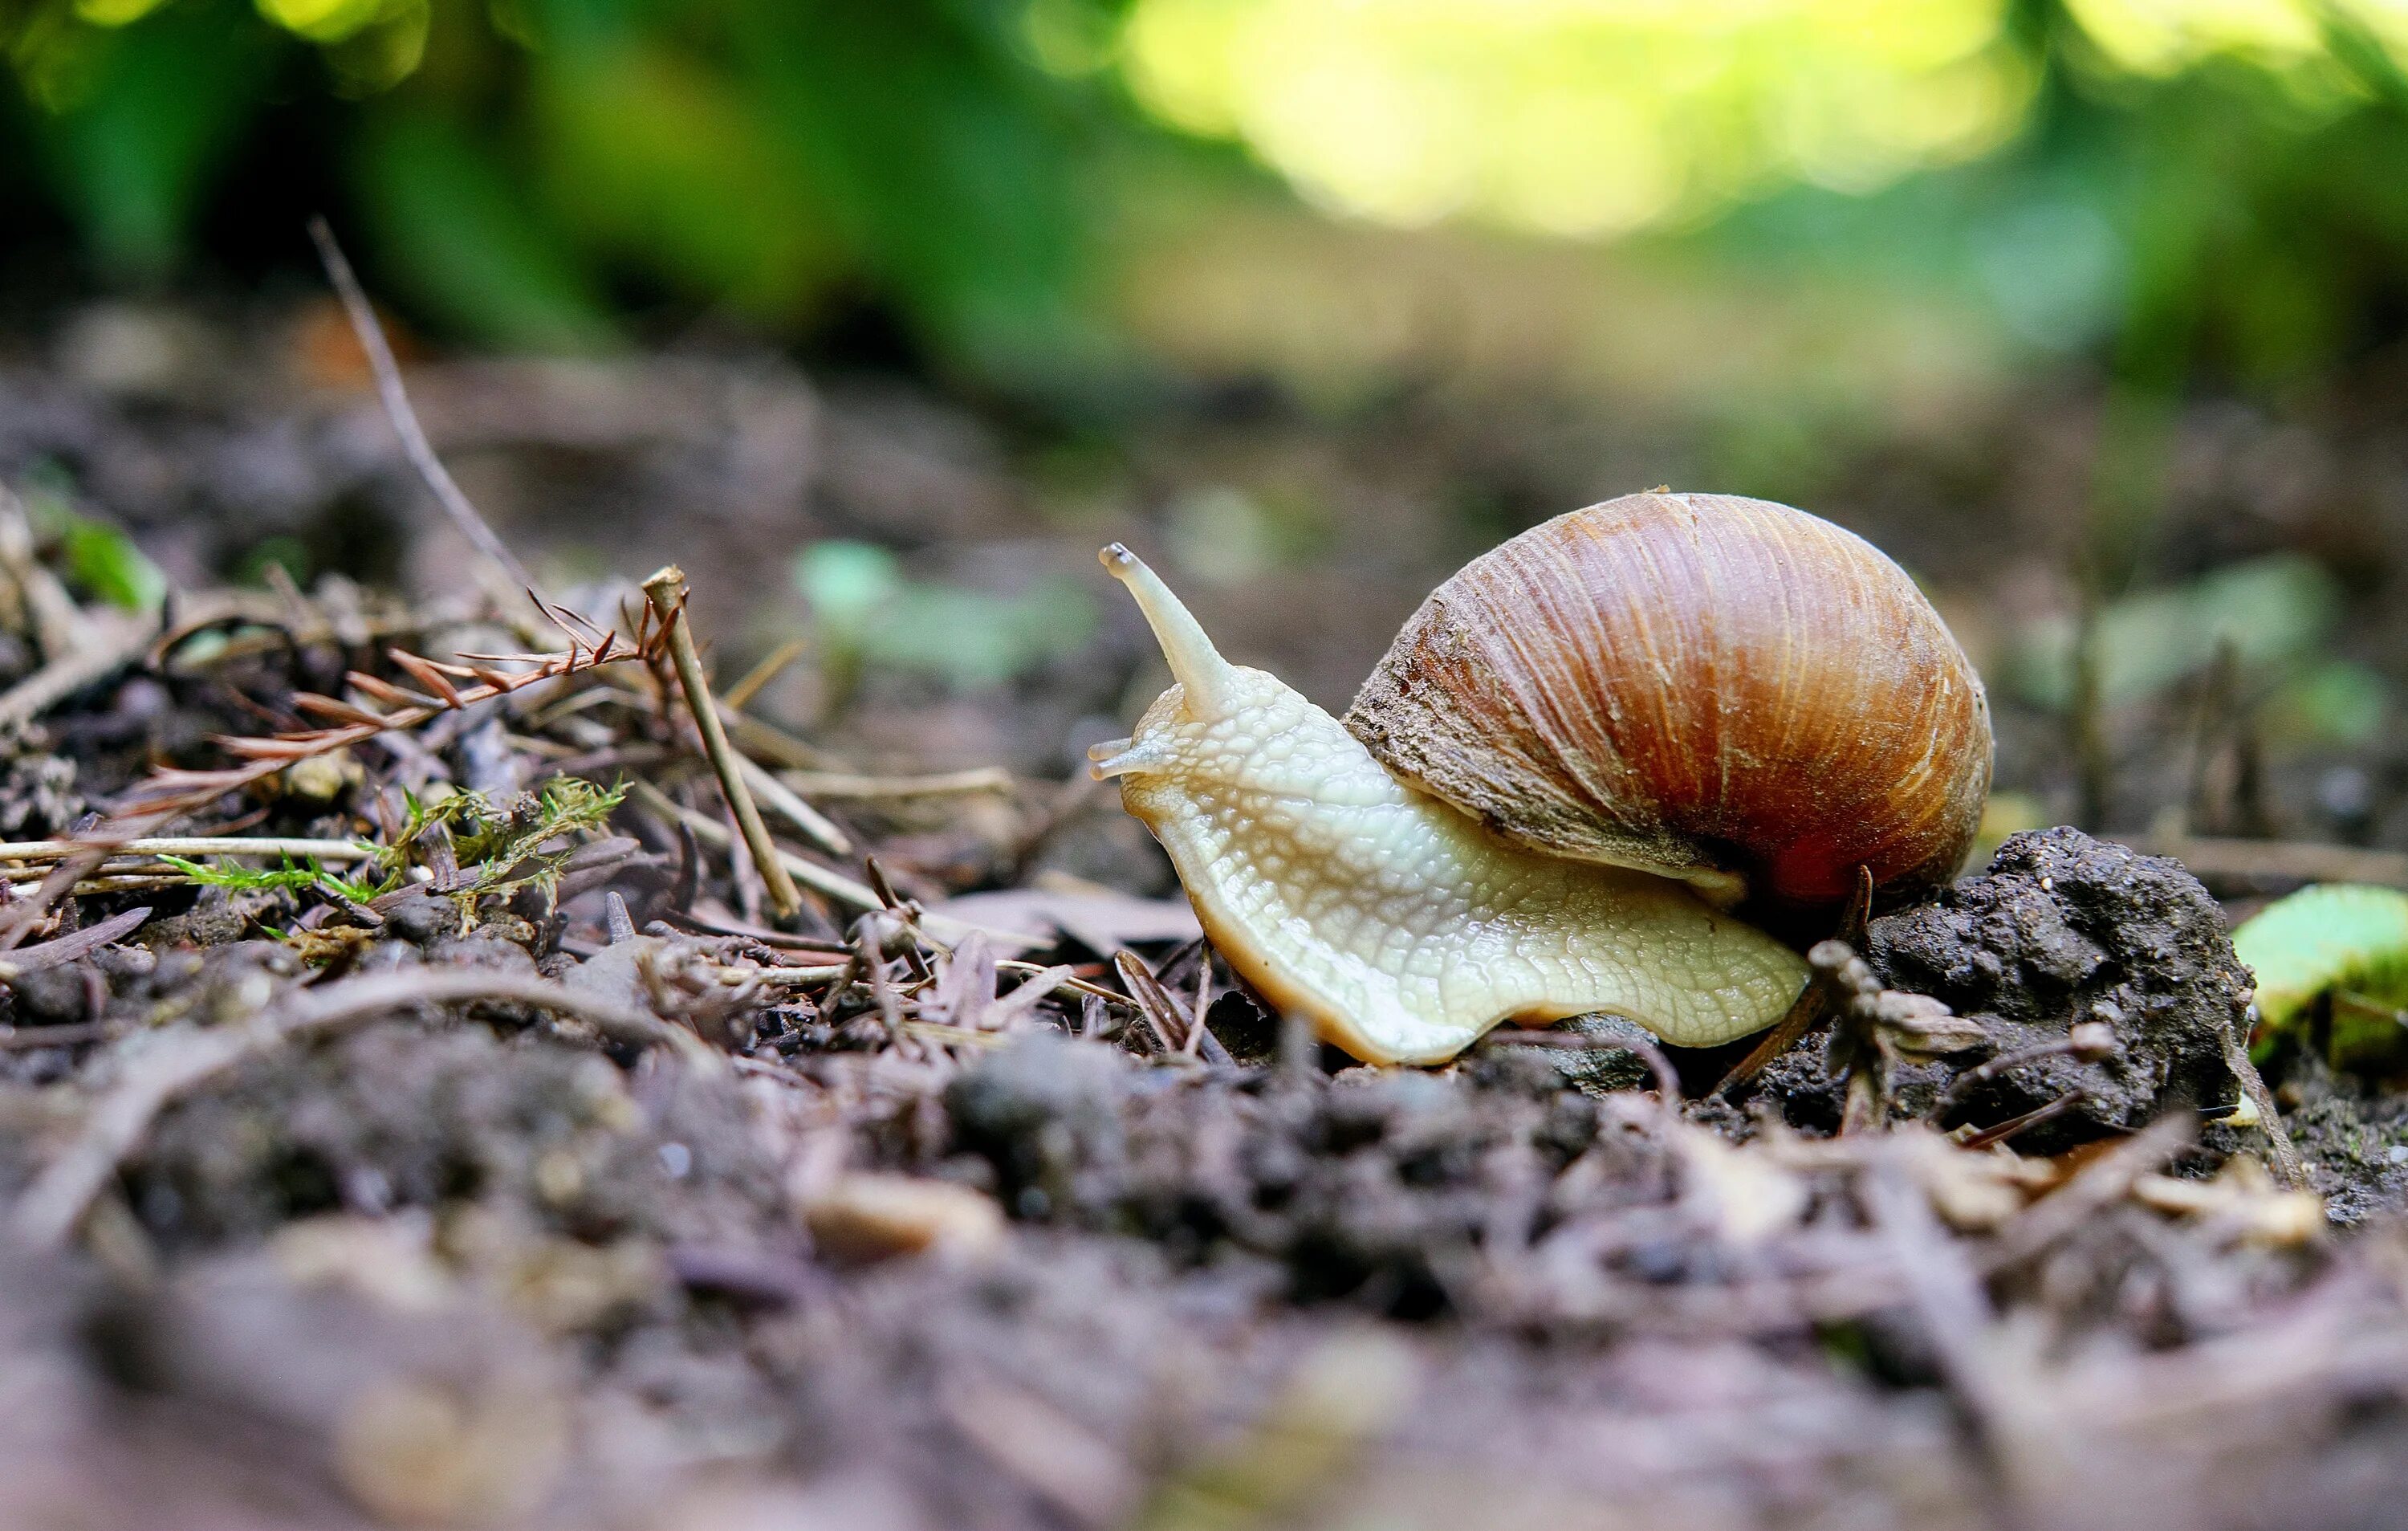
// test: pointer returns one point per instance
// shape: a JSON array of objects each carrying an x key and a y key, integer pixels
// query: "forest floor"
[{"x": 481, "y": 1147}]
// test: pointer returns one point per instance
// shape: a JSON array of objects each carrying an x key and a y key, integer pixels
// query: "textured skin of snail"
[
  {"x": 1400, "y": 928},
  {"x": 1724, "y": 690}
]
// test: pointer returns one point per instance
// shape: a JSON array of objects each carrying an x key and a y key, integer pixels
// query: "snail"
[{"x": 1581, "y": 754}]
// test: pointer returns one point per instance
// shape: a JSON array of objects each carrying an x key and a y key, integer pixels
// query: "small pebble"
[{"x": 867, "y": 1216}]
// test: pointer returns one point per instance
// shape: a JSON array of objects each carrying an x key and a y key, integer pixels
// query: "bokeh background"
[{"x": 881, "y": 314}]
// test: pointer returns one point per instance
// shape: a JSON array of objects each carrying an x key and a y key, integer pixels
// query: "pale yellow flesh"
[{"x": 1398, "y": 927}]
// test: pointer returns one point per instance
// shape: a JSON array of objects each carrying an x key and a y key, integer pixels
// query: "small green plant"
[
  {"x": 494, "y": 849},
  {"x": 293, "y": 875},
  {"x": 500, "y": 847}
]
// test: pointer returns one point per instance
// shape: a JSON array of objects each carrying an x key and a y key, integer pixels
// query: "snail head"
[{"x": 1221, "y": 728}]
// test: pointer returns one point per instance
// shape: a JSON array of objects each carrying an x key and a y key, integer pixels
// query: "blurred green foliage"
[
  {"x": 2178, "y": 187},
  {"x": 866, "y": 612},
  {"x": 105, "y": 560},
  {"x": 528, "y": 171},
  {"x": 2272, "y": 611},
  {"x": 101, "y": 558},
  {"x": 2274, "y": 618}
]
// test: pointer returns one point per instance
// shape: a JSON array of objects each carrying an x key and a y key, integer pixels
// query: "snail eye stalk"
[{"x": 1205, "y": 676}]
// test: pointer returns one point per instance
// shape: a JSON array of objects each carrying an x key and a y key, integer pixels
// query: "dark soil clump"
[
  {"x": 2062, "y": 930},
  {"x": 399, "y": 1119}
]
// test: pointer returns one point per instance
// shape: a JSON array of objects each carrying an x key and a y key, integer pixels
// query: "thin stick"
[
  {"x": 2085, "y": 716},
  {"x": 772, "y": 743},
  {"x": 846, "y": 784},
  {"x": 1155, "y": 1004},
  {"x": 19, "y": 918},
  {"x": 666, "y": 590},
  {"x": 61, "y": 950},
  {"x": 2280, "y": 861},
  {"x": 2045, "y": 1111},
  {"x": 814, "y": 825},
  {"x": 191, "y": 846},
  {"x": 744, "y": 690},
  {"x": 420, "y": 450},
  {"x": 1197, "y": 1032},
  {"x": 62, "y": 677},
  {"x": 812, "y": 876},
  {"x": 806, "y": 977},
  {"x": 59, "y": 626},
  {"x": 2098, "y": 1184},
  {"x": 57, "y": 1200},
  {"x": 2289, "y": 1168},
  {"x": 1813, "y": 1002},
  {"x": 842, "y": 889},
  {"x": 1068, "y": 986}
]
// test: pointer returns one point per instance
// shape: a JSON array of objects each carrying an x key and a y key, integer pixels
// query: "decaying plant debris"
[{"x": 412, "y": 1113}]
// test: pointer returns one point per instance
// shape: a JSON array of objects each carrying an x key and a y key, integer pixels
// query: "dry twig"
[
  {"x": 1813, "y": 1002},
  {"x": 119, "y": 644},
  {"x": 2277, "y": 860},
  {"x": 666, "y": 590},
  {"x": 195, "y": 846},
  {"x": 708, "y": 832},
  {"x": 843, "y": 784},
  {"x": 815, "y": 825},
  {"x": 420, "y": 451},
  {"x": 748, "y": 685},
  {"x": 170, "y": 791}
]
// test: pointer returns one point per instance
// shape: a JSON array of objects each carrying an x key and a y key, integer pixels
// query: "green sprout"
[
  {"x": 292, "y": 875},
  {"x": 504, "y": 843}
]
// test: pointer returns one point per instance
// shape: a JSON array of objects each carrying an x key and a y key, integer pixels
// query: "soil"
[
  {"x": 693, "y": 1223},
  {"x": 2064, "y": 929}
]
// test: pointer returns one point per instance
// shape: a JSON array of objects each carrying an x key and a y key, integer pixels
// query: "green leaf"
[
  {"x": 2334, "y": 936},
  {"x": 845, "y": 582},
  {"x": 104, "y": 561}
]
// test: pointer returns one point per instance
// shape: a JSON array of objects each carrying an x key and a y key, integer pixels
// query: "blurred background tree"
[
  {"x": 2178, "y": 188},
  {"x": 539, "y": 172}
]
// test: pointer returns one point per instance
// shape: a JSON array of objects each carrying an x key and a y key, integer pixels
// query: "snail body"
[{"x": 1368, "y": 877}]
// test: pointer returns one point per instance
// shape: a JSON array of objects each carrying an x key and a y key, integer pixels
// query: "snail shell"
[{"x": 1717, "y": 688}]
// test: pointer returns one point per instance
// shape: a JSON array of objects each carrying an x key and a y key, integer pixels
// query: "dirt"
[
  {"x": 476, "y": 1268},
  {"x": 430, "y": 1272},
  {"x": 2354, "y": 1135},
  {"x": 2063, "y": 929},
  {"x": 840, "y": 1227}
]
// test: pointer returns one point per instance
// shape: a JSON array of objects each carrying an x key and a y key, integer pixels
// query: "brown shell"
[{"x": 1693, "y": 680}]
